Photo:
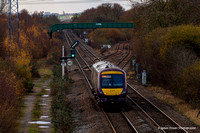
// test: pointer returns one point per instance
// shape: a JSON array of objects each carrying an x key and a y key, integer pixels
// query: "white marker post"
[{"x": 63, "y": 64}]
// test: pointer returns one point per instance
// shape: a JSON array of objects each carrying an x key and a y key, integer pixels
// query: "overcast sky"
[{"x": 68, "y": 6}]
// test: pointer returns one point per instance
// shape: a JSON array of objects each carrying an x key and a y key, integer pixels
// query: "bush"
[
  {"x": 107, "y": 36},
  {"x": 185, "y": 35},
  {"x": 34, "y": 69},
  {"x": 188, "y": 86},
  {"x": 23, "y": 69},
  {"x": 11, "y": 92},
  {"x": 60, "y": 107},
  {"x": 170, "y": 56}
]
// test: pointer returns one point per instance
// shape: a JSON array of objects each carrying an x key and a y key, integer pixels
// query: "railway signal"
[
  {"x": 64, "y": 58},
  {"x": 73, "y": 53},
  {"x": 74, "y": 44}
]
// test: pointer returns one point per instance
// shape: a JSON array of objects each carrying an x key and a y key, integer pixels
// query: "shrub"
[
  {"x": 60, "y": 107},
  {"x": 171, "y": 58},
  {"x": 23, "y": 69},
  {"x": 184, "y": 35},
  {"x": 11, "y": 92},
  {"x": 34, "y": 69},
  {"x": 189, "y": 84}
]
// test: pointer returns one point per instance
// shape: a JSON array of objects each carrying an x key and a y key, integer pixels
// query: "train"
[{"x": 109, "y": 82}]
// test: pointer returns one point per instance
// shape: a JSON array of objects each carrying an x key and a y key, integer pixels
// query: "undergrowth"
[{"x": 60, "y": 106}]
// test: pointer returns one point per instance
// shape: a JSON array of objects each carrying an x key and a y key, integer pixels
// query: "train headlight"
[
  {"x": 123, "y": 92},
  {"x": 101, "y": 92}
]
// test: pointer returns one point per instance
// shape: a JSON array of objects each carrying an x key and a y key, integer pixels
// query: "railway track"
[
  {"x": 85, "y": 49},
  {"x": 125, "y": 123},
  {"x": 116, "y": 52},
  {"x": 161, "y": 120}
]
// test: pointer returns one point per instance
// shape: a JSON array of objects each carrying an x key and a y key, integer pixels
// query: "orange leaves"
[
  {"x": 22, "y": 65},
  {"x": 103, "y": 36},
  {"x": 113, "y": 33},
  {"x": 11, "y": 91},
  {"x": 10, "y": 87},
  {"x": 35, "y": 31}
]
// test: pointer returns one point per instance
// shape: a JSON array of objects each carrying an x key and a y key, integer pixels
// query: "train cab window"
[{"x": 112, "y": 80}]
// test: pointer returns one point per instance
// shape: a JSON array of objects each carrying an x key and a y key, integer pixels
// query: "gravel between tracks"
[
  {"x": 169, "y": 110},
  {"x": 87, "y": 115},
  {"x": 88, "y": 118}
]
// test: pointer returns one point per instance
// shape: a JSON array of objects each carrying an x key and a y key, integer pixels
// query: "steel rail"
[
  {"x": 86, "y": 48},
  {"x": 116, "y": 52},
  {"x": 77, "y": 51},
  {"x": 91, "y": 88},
  {"x": 145, "y": 113},
  {"x": 169, "y": 118},
  {"x": 129, "y": 122},
  {"x": 124, "y": 56},
  {"x": 108, "y": 120}
]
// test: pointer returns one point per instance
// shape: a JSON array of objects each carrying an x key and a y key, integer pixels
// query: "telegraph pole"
[{"x": 13, "y": 22}]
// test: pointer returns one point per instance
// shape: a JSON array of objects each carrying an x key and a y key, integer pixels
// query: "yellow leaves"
[
  {"x": 34, "y": 30},
  {"x": 22, "y": 64},
  {"x": 10, "y": 48},
  {"x": 191, "y": 80},
  {"x": 184, "y": 35}
]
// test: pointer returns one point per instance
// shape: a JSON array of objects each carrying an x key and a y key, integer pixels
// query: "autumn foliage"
[
  {"x": 18, "y": 63},
  {"x": 166, "y": 41},
  {"x": 104, "y": 13},
  {"x": 171, "y": 58},
  {"x": 12, "y": 91}
]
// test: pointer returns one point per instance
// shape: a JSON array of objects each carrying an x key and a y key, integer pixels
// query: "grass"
[
  {"x": 45, "y": 71},
  {"x": 60, "y": 108},
  {"x": 179, "y": 105},
  {"x": 36, "y": 112},
  {"x": 34, "y": 129}
]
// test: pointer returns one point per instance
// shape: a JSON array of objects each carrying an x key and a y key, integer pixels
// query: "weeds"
[
  {"x": 60, "y": 108},
  {"x": 36, "y": 112}
]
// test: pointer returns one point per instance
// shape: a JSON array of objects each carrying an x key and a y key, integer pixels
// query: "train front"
[{"x": 112, "y": 86}]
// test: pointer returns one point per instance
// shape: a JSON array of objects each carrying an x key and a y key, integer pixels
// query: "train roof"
[{"x": 101, "y": 65}]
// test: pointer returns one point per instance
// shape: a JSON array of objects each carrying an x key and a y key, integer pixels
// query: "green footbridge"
[{"x": 57, "y": 27}]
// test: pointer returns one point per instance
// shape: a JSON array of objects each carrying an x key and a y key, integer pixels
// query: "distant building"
[
  {"x": 47, "y": 13},
  {"x": 55, "y": 14}
]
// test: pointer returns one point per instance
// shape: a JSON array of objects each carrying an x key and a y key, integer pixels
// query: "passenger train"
[{"x": 109, "y": 82}]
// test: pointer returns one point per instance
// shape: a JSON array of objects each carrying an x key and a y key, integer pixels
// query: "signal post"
[{"x": 69, "y": 58}]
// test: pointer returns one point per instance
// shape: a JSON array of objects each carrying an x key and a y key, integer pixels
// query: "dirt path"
[{"x": 39, "y": 102}]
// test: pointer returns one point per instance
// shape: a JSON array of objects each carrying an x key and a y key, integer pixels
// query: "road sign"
[
  {"x": 74, "y": 44},
  {"x": 69, "y": 63}
]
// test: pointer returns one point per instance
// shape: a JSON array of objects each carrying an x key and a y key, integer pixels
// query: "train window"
[{"x": 112, "y": 81}]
